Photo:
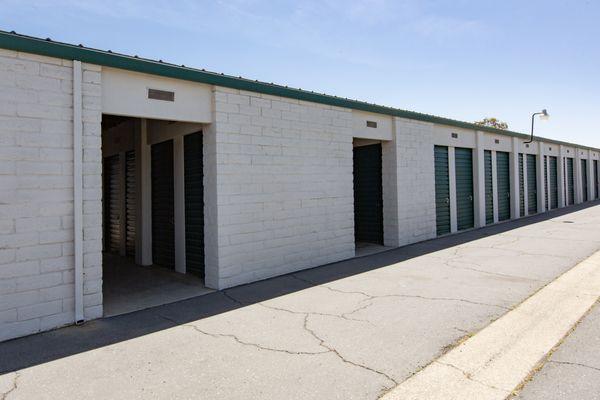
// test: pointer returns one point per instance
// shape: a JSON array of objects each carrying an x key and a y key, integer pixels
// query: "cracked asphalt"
[
  {"x": 573, "y": 370},
  {"x": 349, "y": 330}
]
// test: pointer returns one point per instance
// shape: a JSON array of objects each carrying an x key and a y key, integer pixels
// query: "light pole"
[{"x": 544, "y": 115}]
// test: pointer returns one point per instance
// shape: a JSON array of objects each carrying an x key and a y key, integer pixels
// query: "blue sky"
[{"x": 456, "y": 58}]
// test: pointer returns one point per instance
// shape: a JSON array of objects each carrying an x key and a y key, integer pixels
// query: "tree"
[{"x": 493, "y": 123}]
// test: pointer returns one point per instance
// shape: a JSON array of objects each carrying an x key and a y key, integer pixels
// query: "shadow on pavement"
[{"x": 48, "y": 346}]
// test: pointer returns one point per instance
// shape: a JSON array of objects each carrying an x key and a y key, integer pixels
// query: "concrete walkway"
[
  {"x": 350, "y": 330},
  {"x": 573, "y": 370}
]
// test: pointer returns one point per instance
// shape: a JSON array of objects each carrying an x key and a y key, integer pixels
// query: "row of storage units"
[{"x": 455, "y": 191}]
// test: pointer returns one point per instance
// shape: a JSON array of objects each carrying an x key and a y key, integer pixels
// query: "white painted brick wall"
[
  {"x": 415, "y": 181},
  {"x": 36, "y": 200},
  {"x": 283, "y": 187}
]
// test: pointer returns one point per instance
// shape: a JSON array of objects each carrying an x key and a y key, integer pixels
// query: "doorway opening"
[
  {"x": 368, "y": 196},
  {"x": 153, "y": 248}
]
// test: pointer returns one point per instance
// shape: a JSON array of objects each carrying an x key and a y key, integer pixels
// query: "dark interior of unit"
[{"x": 127, "y": 272}]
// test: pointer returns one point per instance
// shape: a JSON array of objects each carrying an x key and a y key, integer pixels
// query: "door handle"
[
  {"x": 447, "y": 200},
  {"x": 470, "y": 198}
]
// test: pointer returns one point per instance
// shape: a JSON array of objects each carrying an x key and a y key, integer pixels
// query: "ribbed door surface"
[
  {"x": 503, "y": 179},
  {"x": 130, "y": 201},
  {"x": 368, "y": 195},
  {"x": 531, "y": 184},
  {"x": 194, "y": 204},
  {"x": 546, "y": 182},
  {"x": 553, "y": 182},
  {"x": 570, "y": 182},
  {"x": 464, "y": 188},
  {"x": 521, "y": 186},
  {"x": 584, "y": 180},
  {"x": 489, "y": 190},
  {"x": 163, "y": 234},
  {"x": 442, "y": 190},
  {"x": 112, "y": 214},
  {"x": 595, "y": 178}
]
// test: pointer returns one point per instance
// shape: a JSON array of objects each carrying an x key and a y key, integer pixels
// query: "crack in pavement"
[
  {"x": 455, "y": 260},
  {"x": 334, "y": 351},
  {"x": 462, "y": 330},
  {"x": 240, "y": 341},
  {"x": 375, "y": 297},
  {"x": 574, "y": 364},
  {"x": 255, "y": 345},
  {"x": 441, "y": 299},
  {"x": 328, "y": 349},
  {"x": 341, "y": 316},
  {"x": 469, "y": 377},
  {"x": 4, "y": 395},
  {"x": 330, "y": 288}
]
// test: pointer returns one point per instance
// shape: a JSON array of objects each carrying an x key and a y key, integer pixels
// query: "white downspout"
[{"x": 77, "y": 190}]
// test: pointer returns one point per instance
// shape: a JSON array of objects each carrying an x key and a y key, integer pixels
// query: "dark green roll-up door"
[
  {"x": 503, "y": 179},
  {"x": 546, "y": 182},
  {"x": 368, "y": 194},
  {"x": 521, "y": 186},
  {"x": 489, "y": 190},
  {"x": 584, "y": 180},
  {"x": 112, "y": 196},
  {"x": 464, "y": 188},
  {"x": 553, "y": 182},
  {"x": 130, "y": 201},
  {"x": 595, "y": 178},
  {"x": 531, "y": 184},
  {"x": 194, "y": 204},
  {"x": 163, "y": 234},
  {"x": 442, "y": 190},
  {"x": 570, "y": 182}
]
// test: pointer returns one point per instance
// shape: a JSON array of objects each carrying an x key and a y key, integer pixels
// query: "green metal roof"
[{"x": 47, "y": 47}]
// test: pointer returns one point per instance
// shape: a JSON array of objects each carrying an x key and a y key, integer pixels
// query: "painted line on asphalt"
[{"x": 493, "y": 362}]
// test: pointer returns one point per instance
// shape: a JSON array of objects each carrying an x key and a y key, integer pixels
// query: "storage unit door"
[
  {"x": 442, "y": 190},
  {"x": 546, "y": 183},
  {"x": 368, "y": 194},
  {"x": 570, "y": 182},
  {"x": 584, "y": 180},
  {"x": 130, "y": 202},
  {"x": 163, "y": 234},
  {"x": 489, "y": 190},
  {"x": 595, "y": 179},
  {"x": 194, "y": 204},
  {"x": 112, "y": 213},
  {"x": 564, "y": 188},
  {"x": 531, "y": 184},
  {"x": 503, "y": 179},
  {"x": 521, "y": 186},
  {"x": 464, "y": 188},
  {"x": 553, "y": 182}
]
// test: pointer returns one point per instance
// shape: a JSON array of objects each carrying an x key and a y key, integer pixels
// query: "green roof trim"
[{"x": 47, "y": 47}]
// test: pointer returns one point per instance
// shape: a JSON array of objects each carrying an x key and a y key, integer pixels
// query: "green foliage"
[{"x": 493, "y": 123}]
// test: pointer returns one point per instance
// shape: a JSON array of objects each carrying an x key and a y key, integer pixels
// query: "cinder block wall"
[
  {"x": 284, "y": 197},
  {"x": 36, "y": 195},
  {"x": 414, "y": 144}
]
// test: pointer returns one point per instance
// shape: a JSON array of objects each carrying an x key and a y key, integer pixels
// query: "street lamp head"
[{"x": 544, "y": 115}]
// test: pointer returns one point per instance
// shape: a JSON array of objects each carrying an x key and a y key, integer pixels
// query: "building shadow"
[{"x": 40, "y": 348}]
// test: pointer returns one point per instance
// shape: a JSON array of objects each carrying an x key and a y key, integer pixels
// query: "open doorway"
[
  {"x": 368, "y": 196},
  {"x": 152, "y": 213}
]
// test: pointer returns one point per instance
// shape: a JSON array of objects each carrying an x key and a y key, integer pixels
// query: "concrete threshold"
[{"x": 491, "y": 364}]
